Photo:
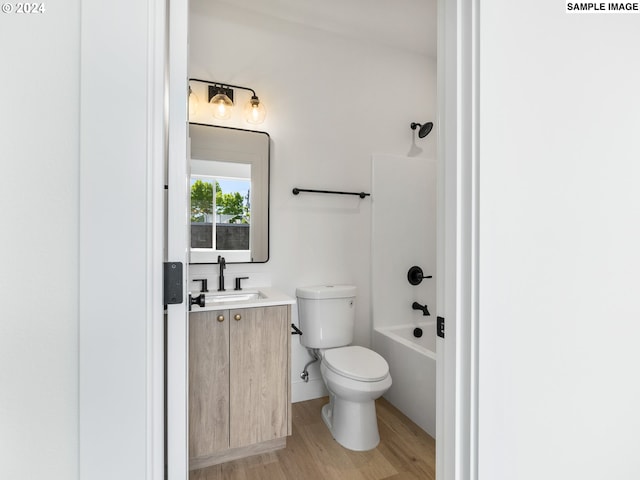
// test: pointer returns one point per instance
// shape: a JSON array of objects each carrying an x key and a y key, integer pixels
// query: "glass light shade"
[
  {"x": 254, "y": 111},
  {"x": 221, "y": 106},
  {"x": 193, "y": 103}
]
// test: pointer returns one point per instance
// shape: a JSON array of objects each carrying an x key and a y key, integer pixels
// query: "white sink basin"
[
  {"x": 249, "y": 298},
  {"x": 233, "y": 297}
]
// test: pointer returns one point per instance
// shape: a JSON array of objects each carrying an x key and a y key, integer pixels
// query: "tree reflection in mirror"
[{"x": 221, "y": 221}]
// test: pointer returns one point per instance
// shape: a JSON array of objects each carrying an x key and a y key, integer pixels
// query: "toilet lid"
[{"x": 357, "y": 363}]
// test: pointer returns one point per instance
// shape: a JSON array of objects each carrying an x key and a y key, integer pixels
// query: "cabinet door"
[
  {"x": 208, "y": 382},
  {"x": 259, "y": 365}
]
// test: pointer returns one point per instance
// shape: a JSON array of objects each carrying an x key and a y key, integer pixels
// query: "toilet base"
[{"x": 354, "y": 425}]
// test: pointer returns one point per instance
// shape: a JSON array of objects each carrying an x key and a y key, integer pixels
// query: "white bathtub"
[{"x": 412, "y": 363}]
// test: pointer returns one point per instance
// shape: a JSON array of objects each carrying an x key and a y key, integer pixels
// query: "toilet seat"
[{"x": 356, "y": 363}]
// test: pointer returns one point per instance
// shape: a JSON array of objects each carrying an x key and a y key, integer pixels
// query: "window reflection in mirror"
[
  {"x": 221, "y": 212},
  {"x": 229, "y": 188}
]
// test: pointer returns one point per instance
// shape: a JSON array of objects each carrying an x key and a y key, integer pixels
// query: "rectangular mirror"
[{"x": 229, "y": 184}]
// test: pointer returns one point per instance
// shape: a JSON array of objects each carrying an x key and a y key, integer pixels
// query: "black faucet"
[{"x": 223, "y": 264}]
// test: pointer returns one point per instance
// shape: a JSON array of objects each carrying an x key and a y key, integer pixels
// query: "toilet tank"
[{"x": 326, "y": 315}]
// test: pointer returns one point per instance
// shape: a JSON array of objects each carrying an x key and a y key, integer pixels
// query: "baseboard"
[
  {"x": 236, "y": 453},
  {"x": 314, "y": 388}
]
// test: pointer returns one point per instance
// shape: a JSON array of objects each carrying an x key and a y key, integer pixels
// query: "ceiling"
[{"x": 405, "y": 24}]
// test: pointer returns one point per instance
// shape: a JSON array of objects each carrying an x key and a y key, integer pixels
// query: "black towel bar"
[{"x": 296, "y": 191}]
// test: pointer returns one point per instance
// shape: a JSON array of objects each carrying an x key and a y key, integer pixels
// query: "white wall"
[
  {"x": 39, "y": 242},
  {"x": 559, "y": 236},
  {"x": 327, "y": 111},
  {"x": 121, "y": 185},
  {"x": 79, "y": 289}
]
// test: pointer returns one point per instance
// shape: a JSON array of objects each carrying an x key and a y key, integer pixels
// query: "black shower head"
[{"x": 425, "y": 128}]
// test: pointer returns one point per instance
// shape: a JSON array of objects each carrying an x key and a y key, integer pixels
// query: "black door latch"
[{"x": 440, "y": 327}]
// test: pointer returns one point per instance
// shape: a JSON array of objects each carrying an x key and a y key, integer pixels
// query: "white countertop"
[{"x": 268, "y": 297}]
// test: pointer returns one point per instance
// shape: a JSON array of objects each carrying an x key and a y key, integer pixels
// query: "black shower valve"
[{"x": 415, "y": 275}]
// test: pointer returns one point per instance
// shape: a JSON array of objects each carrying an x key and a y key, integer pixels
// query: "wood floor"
[{"x": 405, "y": 452}]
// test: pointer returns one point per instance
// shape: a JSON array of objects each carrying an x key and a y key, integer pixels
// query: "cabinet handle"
[
  {"x": 220, "y": 318},
  {"x": 237, "y": 316}
]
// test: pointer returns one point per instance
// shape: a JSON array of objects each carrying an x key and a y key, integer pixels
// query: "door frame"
[
  {"x": 457, "y": 302},
  {"x": 457, "y": 423},
  {"x": 177, "y": 243}
]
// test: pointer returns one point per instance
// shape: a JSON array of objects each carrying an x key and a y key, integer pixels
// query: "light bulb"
[
  {"x": 221, "y": 106},
  {"x": 193, "y": 103},
  {"x": 254, "y": 111}
]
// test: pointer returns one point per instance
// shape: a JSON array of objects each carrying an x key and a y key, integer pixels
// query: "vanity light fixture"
[
  {"x": 254, "y": 111},
  {"x": 193, "y": 103},
  {"x": 221, "y": 100}
]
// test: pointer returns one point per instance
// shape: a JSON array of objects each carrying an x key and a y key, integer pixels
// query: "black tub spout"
[{"x": 417, "y": 306}]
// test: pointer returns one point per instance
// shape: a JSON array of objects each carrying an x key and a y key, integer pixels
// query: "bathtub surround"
[
  {"x": 404, "y": 213},
  {"x": 412, "y": 364},
  {"x": 403, "y": 235}
]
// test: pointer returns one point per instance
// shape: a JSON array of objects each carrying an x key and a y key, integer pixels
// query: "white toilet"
[{"x": 355, "y": 376}]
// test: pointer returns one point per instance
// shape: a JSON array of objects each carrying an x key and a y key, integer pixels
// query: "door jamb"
[{"x": 458, "y": 156}]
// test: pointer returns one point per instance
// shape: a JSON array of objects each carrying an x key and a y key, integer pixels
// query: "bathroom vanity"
[{"x": 239, "y": 377}]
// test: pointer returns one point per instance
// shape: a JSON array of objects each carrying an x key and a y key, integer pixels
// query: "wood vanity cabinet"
[{"x": 239, "y": 383}]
